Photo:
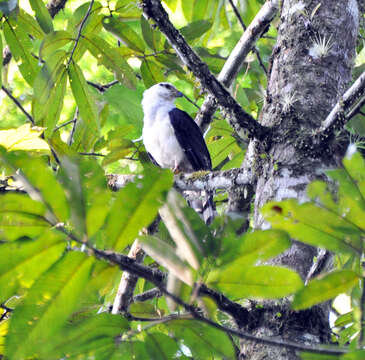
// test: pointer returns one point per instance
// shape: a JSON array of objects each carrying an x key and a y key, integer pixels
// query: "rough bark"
[{"x": 304, "y": 85}]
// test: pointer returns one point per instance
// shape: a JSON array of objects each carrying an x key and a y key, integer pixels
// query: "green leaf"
[
  {"x": 195, "y": 29},
  {"x": 42, "y": 15},
  {"x": 30, "y": 25},
  {"x": 130, "y": 350},
  {"x": 21, "y": 48},
  {"x": 136, "y": 206},
  {"x": 112, "y": 60},
  {"x": 326, "y": 229},
  {"x": 354, "y": 355},
  {"x": 93, "y": 23},
  {"x": 190, "y": 234},
  {"x": 345, "y": 319},
  {"x": 261, "y": 246},
  {"x": 151, "y": 73},
  {"x": 166, "y": 256},
  {"x": 87, "y": 130},
  {"x": 128, "y": 9},
  {"x": 160, "y": 346},
  {"x": 44, "y": 188},
  {"x": 24, "y": 260},
  {"x": 314, "y": 356},
  {"x": 124, "y": 33},
  {"x": 21, "y": 216},
  {"x": 47, "y": 306},
  {"x": 147, "y": 33},
  {"x": 326, "y": 288},
  {"x": 54, "y": 41},
  {"x": 204, "y": 341},
  {"x": 1, "y": 63},
  {"x": 269, "y": 282},
  {"x": 93, "y": 337}
]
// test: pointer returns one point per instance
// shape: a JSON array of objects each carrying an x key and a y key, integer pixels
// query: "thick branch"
[
  {"x": 236, "y": 59},
  {"x": 199, "y": 181},
  {"x": 238, "y": 119},
  {"x": 55, "y": 6}
]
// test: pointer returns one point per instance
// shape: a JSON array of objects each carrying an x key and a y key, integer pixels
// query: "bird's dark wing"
[
  {"x": 154, "y": 162},
  {"x": 191, "y": 139}
]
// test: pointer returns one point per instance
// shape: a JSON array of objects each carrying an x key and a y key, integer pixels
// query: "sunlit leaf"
[
  {"x": 1, "y": 63},
  {"x": 88, "y": 127},
  {"x": 130, "y": 350},
  {"x": 261, "y": 246},
  {"x": 43, "y": 188},
  {"x": 256, "y": 281},
  {"x": 147, "y": 33},
  {"x": 112, "y": 60},
  {"x": 128, "y": 9},
  {"x": 354, "y": 355},
  {"x": 42, "y": 15},
  {"x": 326, "y": 229},
  {"x": 314, "y": 356},
  {"x": 203, "y": 341},
  {"x": 54, "y": 41},
  {"x": 24, "y": 260},
  {"x": 21, "y": 48},
  {"x": 136, "y": 206},
  {"x": 24, "y": 137},
  {"x": 326, "y": 288},
  {"x": 124, "y": 33},
  {"x": 47, "y": 306}
]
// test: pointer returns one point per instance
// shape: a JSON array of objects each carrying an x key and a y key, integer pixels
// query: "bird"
[{"x": 173, "y": 140}]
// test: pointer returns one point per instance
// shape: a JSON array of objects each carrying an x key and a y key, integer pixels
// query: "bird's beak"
[{"x": 178, "y": 94}]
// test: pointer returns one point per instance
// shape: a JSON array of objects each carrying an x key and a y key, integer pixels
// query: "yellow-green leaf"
[
  {"x": 151, "y": 73},
  {"x": 24, "y": 137},
  {"x": 124, "y": 33},
  {"x": 54, "y": 41},
  {"x": 324, "y": 289}
]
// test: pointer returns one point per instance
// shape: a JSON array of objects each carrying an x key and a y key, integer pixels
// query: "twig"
[
  {"x": 238, "y": 119},
  {"x": 74, "y": 120},
  {"x": 236, "y": 59},
  {"x": 91, "y": 154},
  {"x": 18, "y": 104},
  {"x": 80, "y": 30},
  {"x": 102, "y": 88},
  {"x": 64, "y": 124}
]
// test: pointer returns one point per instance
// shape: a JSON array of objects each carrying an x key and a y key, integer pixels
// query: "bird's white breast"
[{"x": 160, "y": 140}]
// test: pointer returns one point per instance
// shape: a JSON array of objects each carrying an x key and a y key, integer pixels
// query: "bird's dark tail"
[{"x": 202, "y": 202}]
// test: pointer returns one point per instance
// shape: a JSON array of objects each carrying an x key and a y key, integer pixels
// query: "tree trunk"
[{"x": 310, "y": 69}]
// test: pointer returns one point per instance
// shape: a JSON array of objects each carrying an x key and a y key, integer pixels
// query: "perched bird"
[{"x": 173, "y": 140}]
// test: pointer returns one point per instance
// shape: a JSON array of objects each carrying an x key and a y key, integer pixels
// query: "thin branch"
[
  {"x": 91, "y": 154},
  {"x": 356, "y": 109},
  {"x": 157, "y": 278},
  {"x": 74, "y": 120},
  {"x": 18, "y": 104},
  {"x": 80, "y": 30},
  {"x": 148, "y": 295},
  {"x": 236, "y": 59},
  {"x": 254, "y": 49},
  {"x": 238, "y": 119},
  {"x": 64, "y": 124},
  {"x": 102, "y": 88},
  {"x": 352, "y": 95}
]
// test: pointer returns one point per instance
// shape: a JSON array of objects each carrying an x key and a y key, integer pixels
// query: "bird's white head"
[{"x": 160, "y": 93}]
